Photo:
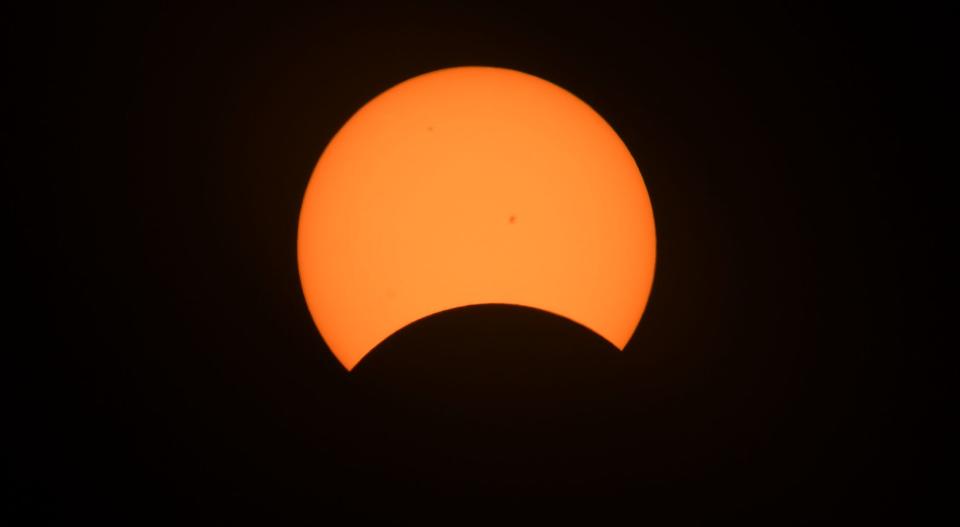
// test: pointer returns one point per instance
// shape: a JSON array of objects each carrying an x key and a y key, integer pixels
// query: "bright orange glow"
[{"x": 473, "y": 185}]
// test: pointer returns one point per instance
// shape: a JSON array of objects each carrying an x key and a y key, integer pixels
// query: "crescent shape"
[{"x": 473, "y": 185}]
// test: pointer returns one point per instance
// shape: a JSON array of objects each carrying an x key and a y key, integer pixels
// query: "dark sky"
[{"x": 168, "y": 367}]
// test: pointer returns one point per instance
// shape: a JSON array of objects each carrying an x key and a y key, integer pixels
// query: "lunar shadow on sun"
[
  {"x": 494, "y": 398},
  {"x": 476, "y": 334}
]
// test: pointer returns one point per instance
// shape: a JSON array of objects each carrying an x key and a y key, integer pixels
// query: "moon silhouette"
[{"x": 474, "y": 185}]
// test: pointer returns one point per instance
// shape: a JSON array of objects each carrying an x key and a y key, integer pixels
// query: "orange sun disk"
[{"x": 473, "y": 185}]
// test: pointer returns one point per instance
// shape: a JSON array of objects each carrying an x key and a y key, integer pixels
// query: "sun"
[{"x": 474, "y": 185}]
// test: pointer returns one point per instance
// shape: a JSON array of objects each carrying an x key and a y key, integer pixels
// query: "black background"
[{"x": 166, "y": 365}]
